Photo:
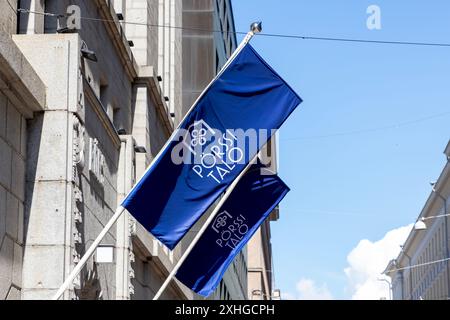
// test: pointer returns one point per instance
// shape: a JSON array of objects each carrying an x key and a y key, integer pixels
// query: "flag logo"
[
  {"x": 231, "y": 229},
  {"x": 197, "y": 135}
]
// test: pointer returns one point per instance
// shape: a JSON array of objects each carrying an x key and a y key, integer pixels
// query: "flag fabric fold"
[
  {"x": 205, "y": 155},
  {"x": 249, "y": 204}
]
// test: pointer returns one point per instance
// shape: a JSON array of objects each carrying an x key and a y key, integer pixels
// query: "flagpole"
[
  {"x": 203, "y": 229},
  {"x": 255, "y": 28}
]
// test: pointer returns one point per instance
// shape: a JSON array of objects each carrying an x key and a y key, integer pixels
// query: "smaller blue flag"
[{"x": 249, "y": 204}]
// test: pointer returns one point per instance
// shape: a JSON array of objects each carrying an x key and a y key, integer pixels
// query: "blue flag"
[
  {"x": 230, "y": 123},
  {"x": 249, "y": 204}
]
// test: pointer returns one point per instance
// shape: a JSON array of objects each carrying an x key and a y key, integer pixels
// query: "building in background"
[
  {"x": 84, "y": 108},
  {"x": 422, "y": 269},
  {"x": 260, "y": 265}
]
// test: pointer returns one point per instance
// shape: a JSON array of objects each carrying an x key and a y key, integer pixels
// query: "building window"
[
  {"x": 116, "y": 118},
  {"x": 225, "y": 33},
  {"x": 223, "y": 8},
  {"x": 51, "y": 22},
  {"x": 222, "y": 290},
  {"x": 217, "y": 63},
  {"x": 438, "y": 288},
  {"x": 103, "y": 94},
  {"x": 434, "y": 246}
]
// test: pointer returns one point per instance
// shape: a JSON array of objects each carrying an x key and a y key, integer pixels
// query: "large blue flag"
[
  {"x": 249, "y": 204},
  {"x": 230, "y": 123}
]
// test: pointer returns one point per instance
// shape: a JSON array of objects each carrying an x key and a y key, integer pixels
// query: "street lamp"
[
  {"x": 389, "y": 285},
  {"x": 87, "y": 53},
  {"x": 421, "y": 225}
]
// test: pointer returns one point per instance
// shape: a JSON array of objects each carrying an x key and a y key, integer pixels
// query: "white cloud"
[
  {"x": 368, "y": 259},
  {"x": 306, "y": 289},
  {"x": 287, "y": 296}
]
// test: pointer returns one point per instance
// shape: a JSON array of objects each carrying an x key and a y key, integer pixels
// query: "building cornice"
[
  {"x": 18, "y": 80},
  {"x": 135, "y": 72},
  {"x": 390, "y": 267},
  {"x": 147, "y": 76},
  {"x": 118, "y": 37},
  {"x": 447, "y": 150}
]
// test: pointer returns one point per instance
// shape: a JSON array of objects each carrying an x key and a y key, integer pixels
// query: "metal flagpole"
[{"x": 255, "y": 28}]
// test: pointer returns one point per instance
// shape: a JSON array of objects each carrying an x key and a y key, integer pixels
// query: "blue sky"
[{"x": 349, "y": 184}]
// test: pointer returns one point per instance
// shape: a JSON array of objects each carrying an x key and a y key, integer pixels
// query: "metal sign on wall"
[{"x": 96, "y": 160}]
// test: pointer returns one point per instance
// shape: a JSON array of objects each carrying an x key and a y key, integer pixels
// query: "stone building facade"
[
  {"x": 85, "y": 105},
  {"x": 422, "y": 269}
]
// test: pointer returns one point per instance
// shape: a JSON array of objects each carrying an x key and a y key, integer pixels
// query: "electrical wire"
[
  {"x": 370, "y": 130},
  {"x": 435, "y": 44},
  {"x": 277, "y": 35},
  {"x": 337, "y": 213},
  {"x": 418, "y": 265}
]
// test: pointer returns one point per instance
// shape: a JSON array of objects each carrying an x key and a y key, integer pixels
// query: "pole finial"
[{"x": 256, "y": 27}]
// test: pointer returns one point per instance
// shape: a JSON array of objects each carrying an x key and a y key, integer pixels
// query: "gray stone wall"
[
  {"x": 60, "y": 187},
  {"x": 104, "y": 98},
  {"x": 177, "y": 62},
  {"x": 147, "y": 127},
  {"x": 8, "y": 18},
  {"x": 64, "y": 207},
  {"x": 12, "y": 195},
  {"x": 108, "y": 77},
  {"x": 148, "y": 279},
  {"x": 145, "y": 38}
]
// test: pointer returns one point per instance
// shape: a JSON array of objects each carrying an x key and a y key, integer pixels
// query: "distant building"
[
  {"x": 260, "y": 264},
  {"x": 422, "y": 269},
  {"x": 76, "y": 134}
]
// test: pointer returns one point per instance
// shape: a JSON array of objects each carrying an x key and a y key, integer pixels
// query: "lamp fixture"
[
  {"x": 140, "y": 149},
  {"x": 256, "y": 292},
  {"x": 121, "y": 131},
  {"x": 88, "y": 54},
  {"x": 420, "y": 225}
]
